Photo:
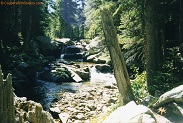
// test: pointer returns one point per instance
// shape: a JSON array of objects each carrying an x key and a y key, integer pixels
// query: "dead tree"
[
  {"x": 120, "y": 71},
  {"x": 7, "y": 112}
]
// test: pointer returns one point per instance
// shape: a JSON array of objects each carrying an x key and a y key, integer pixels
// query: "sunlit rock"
[
  {"x": 30, "y": 111},
  {"x": 64, "y": 117},
  {"x": 55, "y": 111},
  {"x": 176, "y": 94},
  {"x": 131, "y": 112}
]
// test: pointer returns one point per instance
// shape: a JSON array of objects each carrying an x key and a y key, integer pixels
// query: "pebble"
[{"x": 87, "y": 102}]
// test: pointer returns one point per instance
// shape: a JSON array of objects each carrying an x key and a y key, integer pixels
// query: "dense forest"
[
  {"x": 140, "y": 42},
  {"x": 150, "y": 34}
]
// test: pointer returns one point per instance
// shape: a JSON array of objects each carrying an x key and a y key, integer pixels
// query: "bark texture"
[
  {"x": 120, "y": 71},
  {"x": 151, "y": 43},
  {"x": 181, "y": 22},
  {"x": 6, "y": 99}
]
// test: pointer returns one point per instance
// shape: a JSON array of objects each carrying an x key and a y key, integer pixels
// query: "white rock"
[
  {"x": 34, "y": 112},
  {"x": 64, "y": 117},
  {"x": 113, "y": 100},
  {"x": 55, "y": 109},
  {"x": 176, "y": 94},
  {"x": 80, "y": 116},
  {"x": 91, "y": 106},
  {"x": 74, "y": 75},
  {"x": 144, "y": 118},
  {"x": 128, "y": 113},
  {"x": 177, "y": 108}
]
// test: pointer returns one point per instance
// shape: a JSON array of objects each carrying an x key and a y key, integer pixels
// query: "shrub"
[{"x": 139, "y": 87}]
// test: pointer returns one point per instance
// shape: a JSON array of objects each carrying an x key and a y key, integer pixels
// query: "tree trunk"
[
  {"x": 151, "y": 40},
  {"x": 120, "y": 71},
  {"x": 160, "y": 43},
  {"x": 181, "y": 22},
  {"x": 28, "y": 33}
]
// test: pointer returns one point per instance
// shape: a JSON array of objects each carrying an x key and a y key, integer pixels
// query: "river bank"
[{"x": 86, "y": 103}]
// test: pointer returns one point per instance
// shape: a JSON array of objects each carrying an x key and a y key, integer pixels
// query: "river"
[{"x": 46, "y": 92}]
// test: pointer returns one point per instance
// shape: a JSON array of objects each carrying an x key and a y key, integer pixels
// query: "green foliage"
[
  {"x": 129, "y": 27},
  {"x": 63, "y": 72},
  {"x": 134, "y": 54},
  {"x": 93, "y": 19},
  {"x": 170, "y": 75},
  {"x": 18, "y": 25},
  {"x": 67, "y": 19},
  {"x": 139, "y": 86}
]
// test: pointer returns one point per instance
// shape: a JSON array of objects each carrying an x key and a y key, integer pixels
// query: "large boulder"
[
  {"x": 58, "y": 75},
  {"x": 64, "y": 41},
  {"x": 30, "y": 111},
  {"x": 131, "y": 112},
  {"x": 84, "y": 75},
  {"x": 29, "y": 69},
  {"x": 103, "y": 68},
  {"x": 97, "y": 51},
  {"x": 96, "y": 43},
  {"x": 74, "y": 75},
  {"x": 84, "y": 72},
  {"x": 99, "y": 58},
  {"x": 73, "y": 52},
  {"x": 46, "y": 46},
  {"x": 176, "y": 94},
  {"x": 171, "y": 104}
]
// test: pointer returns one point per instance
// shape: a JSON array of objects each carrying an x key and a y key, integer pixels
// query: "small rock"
[
  {"x": 108, "y": 104},
  {"x": 86, "y": 69},
  {"x": 110, "y": 86},
  {"x": 77, "y": 121},
  {"x": 92, "y": 107},
  {"x": 87, "y": 109},
  {"x": 82, "y": 105},
  {"x": 113, "y": 100},
  {"x": 99, "y": 61},
  {"x": 53, "y": 71},
  {"x": 80, "y": 116},
  {"x": 54, "y": 112},
  {"x": 99, "y": 107},
  {"x": 99, "y": 92},
  {"x": 92, "y": 113},
  {"x": 90, "y": 98},
  {"x": 77, "y": 65},
  {"x": 56, "y": 109},
  {"x": 72, "y": 109},
  {"x": 64, "y": 117}
]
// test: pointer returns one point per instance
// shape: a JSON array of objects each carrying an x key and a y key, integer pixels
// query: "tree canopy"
[{"x": 150, "y": 32}]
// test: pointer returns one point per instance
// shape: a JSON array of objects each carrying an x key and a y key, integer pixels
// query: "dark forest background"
[{"x": 150, "y": 33}]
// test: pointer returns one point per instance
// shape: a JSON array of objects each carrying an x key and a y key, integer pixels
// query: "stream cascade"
[{"x": 72, "y": 56}]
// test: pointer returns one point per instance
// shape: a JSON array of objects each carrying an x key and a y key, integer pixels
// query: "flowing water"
[{"x": 46, "y": 92}]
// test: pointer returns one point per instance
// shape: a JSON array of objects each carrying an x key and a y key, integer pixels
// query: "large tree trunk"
[
  {"x": 181, "y": 22},
  {"x": 28, "y": 33},
  {"x": 120, "y": 71},
  {"x": 151, "y": 40}
]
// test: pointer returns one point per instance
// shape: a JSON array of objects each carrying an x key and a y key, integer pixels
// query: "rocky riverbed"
[{"x": 88, "y": 102}]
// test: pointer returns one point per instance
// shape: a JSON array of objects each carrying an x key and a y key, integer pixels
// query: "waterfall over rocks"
[{"x": 73, "y": 52}]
